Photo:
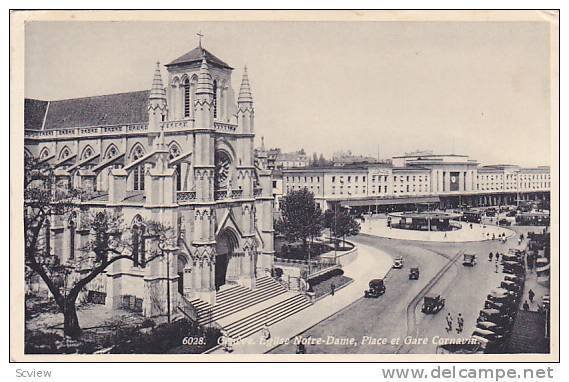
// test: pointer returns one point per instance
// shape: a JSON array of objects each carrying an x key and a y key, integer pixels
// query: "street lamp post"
[{"x": 166, "y": 252}]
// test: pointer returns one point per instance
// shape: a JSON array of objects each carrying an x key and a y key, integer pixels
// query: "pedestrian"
[
  {"x": 460, "y": 323},
  {"x": 470, "y": 225},
  {"x": 496, "y": 267},
  {"x": 531, "y": 295},
  {"x": 526, "y": 306},
  {"x": 449, "y": 322},
  {"x": 332, "y": 289},
  {"x": 490, "y": 256},
  {"x": 226, "y": 342},
  {"x": 445, "y": 235},
  {"x": 300, "y": 348},
  {"x": 266, "y": 332}
]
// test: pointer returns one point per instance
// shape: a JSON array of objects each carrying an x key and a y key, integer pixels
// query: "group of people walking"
[{"x": 459, "y": 323}]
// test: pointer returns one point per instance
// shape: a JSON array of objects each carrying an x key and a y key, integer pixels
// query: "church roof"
[
  {"x": 34, "y": 111},
  {"x": 111, "y": 109},
  {"x": 195, "y": 56}
]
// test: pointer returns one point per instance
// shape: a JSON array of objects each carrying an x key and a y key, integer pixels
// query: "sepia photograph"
[{"x": 247, "y": 185}]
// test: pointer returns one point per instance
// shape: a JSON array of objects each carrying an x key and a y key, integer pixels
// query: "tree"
[
  {"x": 340, "y": 223},
  {"x": 300, "y": 217},
  {"x": 315, "y": 162},
  {"x": 45, "y": 200},
  {"x": 322, "y": 161}
]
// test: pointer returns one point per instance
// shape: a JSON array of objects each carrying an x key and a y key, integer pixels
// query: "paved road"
[{"x": 395, "y": 315}]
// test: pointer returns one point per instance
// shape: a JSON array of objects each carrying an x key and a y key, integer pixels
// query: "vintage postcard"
[{"x": 284, "y": 186}]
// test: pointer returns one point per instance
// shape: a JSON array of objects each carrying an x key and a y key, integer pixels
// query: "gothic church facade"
[{"x": 180, "y": 154}]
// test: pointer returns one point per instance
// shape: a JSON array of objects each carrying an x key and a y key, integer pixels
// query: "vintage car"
[
  {"x": 376, "y": 288},
  {"x": 398, "y": 262},
  {"x": 469, "y": 259},
  {"x": 487, "y": 325},
  {"x": 513, "y": 267},
  {"x": 504, "y": 222},
  {"x": 511, "y": 286},
  {"x": 488, "y": 334},
  {"x": 495, "y": 316},
  {"x": 475, "y": 346},
  {"x": 501, "y": 306},
  {"x": 414, "y": 273},
  {"x": 516, "y": 279},
  {"x": 432, "y": 304}
]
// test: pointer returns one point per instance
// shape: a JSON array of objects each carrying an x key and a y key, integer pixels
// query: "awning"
[{"x": 389, "y": 201}]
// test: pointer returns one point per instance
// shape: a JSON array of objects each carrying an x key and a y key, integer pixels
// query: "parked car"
[{"x": 504, "y": 222}]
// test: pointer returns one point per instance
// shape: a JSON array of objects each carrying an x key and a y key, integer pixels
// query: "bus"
[{"x": 471, "y": 216}]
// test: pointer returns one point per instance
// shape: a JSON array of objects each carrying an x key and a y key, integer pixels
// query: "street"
[{"x": 376, "y": 324}]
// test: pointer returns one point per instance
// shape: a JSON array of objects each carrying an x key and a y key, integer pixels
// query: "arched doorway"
[{"x": 226, "y": 244}]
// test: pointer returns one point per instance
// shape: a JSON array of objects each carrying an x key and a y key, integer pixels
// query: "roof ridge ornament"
[{"x": 200, "y": 35}]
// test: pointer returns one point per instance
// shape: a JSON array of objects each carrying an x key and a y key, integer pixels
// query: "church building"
[{"x": 180, "y": 153}]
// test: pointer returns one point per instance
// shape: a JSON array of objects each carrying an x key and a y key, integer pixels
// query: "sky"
[{"x": 475, "y": 88}]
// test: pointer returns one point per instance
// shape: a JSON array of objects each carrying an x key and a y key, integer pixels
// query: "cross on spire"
[{"x": 200, "y": 35}]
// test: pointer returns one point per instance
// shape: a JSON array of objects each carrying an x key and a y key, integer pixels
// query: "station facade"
[
  {"x": 427, "y": 180},
  {"x": 181, "y": 154}
]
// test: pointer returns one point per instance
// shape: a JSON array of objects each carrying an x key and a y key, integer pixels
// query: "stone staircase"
[
  {"x": 242, "y": 311},
  {"x": 252, "y": 323}
]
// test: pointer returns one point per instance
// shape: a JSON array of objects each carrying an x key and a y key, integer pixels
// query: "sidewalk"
[
  {"x": 369, "y": 264},
  {"x": 478, "y": 232}
]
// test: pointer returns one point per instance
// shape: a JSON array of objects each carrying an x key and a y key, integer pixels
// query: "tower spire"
[
  {"x": 157, "y": 91},
  {"x": 205, "y": 85},
  {"x": 245, "y": 89}
]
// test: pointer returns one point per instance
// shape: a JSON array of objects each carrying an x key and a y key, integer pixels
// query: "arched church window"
[
  {"x": 138, "y": 175},
  {"x": 222, "y": 169},
  {"x": 187, "y": 101},
  {"x": 138, "y": 242},
  {"x": 64, "y": 153},
  {"x": 47, "y": 237},
  {"x": 87, "y": 153},
  {"x": 174, "y": 153},
  {"x": 44, "y": 153},
  {"x": 214, "y": 98},
  {"x": 72, "y": 226}
]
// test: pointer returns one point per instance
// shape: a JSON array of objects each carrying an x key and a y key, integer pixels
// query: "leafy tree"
[
  {"x": 315, "y": 162},
  {"x": 46, "y": 200},
  {"x": 340, "y": 223},
  {"x": 300, "y": 218}
]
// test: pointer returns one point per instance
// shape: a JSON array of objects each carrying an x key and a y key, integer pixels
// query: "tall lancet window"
[
  {"x": 187, "y": 101},
  {"x": 138, "y": 175},
  {"x": 214, "y": 98},
  {"x": 174, "y": 153}
]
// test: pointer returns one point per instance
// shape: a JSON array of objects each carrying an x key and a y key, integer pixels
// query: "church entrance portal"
[{"x": 225, "y": 246}]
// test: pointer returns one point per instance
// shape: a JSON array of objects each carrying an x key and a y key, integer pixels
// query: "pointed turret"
[
  {"x": 157, "y": 91},
  {"x": 205, "y": 85},
  {"x": 245, "y": 111},
  {"x": 157, "y": 105},
  {"x": 245, "y": 89}
]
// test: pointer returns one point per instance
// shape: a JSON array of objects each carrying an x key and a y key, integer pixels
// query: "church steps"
[
  {"x": 222, "y": 295},
  {"x": 228, "y": 311},
  {"x": 269, "y": 316},
  {"x": 238, "y": 299},
  {"x": 237, "y": 325},
  {"x": 245, "y": 303}
]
